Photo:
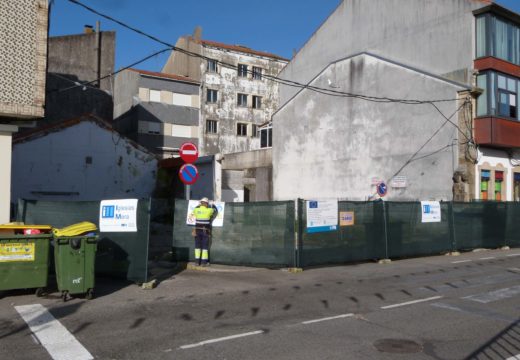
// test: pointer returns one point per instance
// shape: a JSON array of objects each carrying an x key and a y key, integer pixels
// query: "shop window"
[
  {"x": 485, "y": 177},
  {"x": 516, "y": 186},
  {"x": 499, "y": 179}
]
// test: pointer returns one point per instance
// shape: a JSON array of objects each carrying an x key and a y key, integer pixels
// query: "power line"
[
  {"x": 270, "y": 77},
  {"x": 111, "y": 74}
]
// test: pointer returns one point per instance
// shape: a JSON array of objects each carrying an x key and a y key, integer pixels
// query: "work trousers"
[{"x": 201, "y": 245}]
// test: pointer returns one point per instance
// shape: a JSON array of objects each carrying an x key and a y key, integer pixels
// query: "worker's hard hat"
[{"x": 204, "y": 199}]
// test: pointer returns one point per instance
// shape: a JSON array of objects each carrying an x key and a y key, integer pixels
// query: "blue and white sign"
[
  {"x": 322, "y": 216},
  {"x": 118, "y": 215},
  {"x": 431, "y": 211},
  {"x": 382, "y": 189}
]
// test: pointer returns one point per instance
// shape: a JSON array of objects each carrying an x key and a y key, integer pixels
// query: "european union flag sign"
[{"x": 107, "y": 212}]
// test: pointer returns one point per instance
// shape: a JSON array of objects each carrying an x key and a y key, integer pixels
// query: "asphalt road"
[{"x": 429, "y": 308}]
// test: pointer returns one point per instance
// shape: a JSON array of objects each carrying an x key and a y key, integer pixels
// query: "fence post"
[
  {"x": 299, "y": 237},
  {"x": 452, "y": 228},
  {"x": 386, "y": 259}
]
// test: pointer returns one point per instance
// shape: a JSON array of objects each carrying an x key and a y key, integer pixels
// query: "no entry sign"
[
  {"x": 189, "y": 152},
  {"x": 188, "y": 174}
]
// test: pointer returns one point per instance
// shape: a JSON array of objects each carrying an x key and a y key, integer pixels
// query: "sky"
[{"x": 276, "y": 26}]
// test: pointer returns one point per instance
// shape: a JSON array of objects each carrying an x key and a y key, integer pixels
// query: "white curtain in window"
[{"x": 501, "y": 39}]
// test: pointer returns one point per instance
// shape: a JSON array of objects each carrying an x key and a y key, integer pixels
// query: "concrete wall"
[
  {"x": 331, "y": 147},
  {"x": 5, "y": 179},
  {"x": 435, "y": 36},
  {"x": 23, "y": 55},
  {"x": 59, "y": 162},
  {"x": 126, "y": 92},
  {"x": 75, "y": 58},
  {"x": 225, "y": 111}
]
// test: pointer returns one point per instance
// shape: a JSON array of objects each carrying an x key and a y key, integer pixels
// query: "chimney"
[{"x": 88, "y": 29}]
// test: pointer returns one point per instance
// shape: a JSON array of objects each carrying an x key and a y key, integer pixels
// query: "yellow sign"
[
  {"x": 346, "y": 218},
  {"x": 16, "y": 252}
]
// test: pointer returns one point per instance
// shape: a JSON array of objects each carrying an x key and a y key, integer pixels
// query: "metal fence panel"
[
  {"x": 513, "y": 225},
  {"x": 123, "y": 255},
  {"x": 364, "y": 240},
  {"x": 409, "y": 236},
  {"x": 480, "y": 224},
  {"x": 260, "y": 233}
]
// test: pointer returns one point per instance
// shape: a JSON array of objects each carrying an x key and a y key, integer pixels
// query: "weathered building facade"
[
  {"x": 79, "y": 59},
  {"x": 370, "y": 55},
  {"x": 159, "y": 111},
  {"x": 23, "y": 59},
  {"x": 238, "y": 97},
  {"x": 81, "y": 159}
]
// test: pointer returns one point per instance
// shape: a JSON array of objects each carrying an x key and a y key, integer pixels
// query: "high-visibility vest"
[{"x": 203, "y": 215}]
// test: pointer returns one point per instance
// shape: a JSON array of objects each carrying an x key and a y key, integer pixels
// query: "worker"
[{"x": 204, "y": 216}]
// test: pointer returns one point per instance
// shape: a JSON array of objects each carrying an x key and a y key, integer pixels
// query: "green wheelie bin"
[
  {"x": 74, "y": 258},
  {"x": 24, "y": 257}
]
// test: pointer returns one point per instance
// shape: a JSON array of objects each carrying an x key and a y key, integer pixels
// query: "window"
[
  {"x": 211, "y": 96},
  {"x": 254, "y": 131},
  {"x": 211, "y": 126},
  {"x": 257, "y": 73},
  {"x": 155, "y": 95},
  {"x": 485, "y": 176},
  {"x": 266, "y": 136},
  {"x": 498, "y": 37},
  {"x": 154, "y": 128},
  {"x": 257, "y": 102},
  {"x": 212, "y": 66},
  {"x": 499, "y": 178},
  {"x": 242, "y": 70},
  {"x": 241, "y": 100},
  {"x": 500, "y": 96},
  {"x": 241, "y": 129},
  {"x": 516, "y": 186}
]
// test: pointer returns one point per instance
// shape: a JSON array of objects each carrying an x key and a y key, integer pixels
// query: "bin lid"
[{"x": 24, "y": 227}]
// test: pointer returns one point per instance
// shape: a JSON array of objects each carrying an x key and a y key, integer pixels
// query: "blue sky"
[{"x": 277, "y": 26}]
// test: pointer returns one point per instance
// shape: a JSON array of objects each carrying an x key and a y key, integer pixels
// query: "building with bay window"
[
  {"x": 356, "y": 132},
  {"x": 497, "y": 121}
]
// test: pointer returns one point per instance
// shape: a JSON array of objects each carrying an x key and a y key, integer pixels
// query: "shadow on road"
[{"x": 505, "y": 345}]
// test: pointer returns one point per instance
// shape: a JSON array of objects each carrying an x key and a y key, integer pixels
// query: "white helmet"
[{"x": 204, "y": 199}]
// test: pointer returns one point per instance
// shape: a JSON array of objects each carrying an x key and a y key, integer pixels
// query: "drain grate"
[{"x": 398, "y": 346}]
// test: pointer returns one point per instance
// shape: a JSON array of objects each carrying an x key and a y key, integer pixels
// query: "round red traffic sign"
[
  {"x": 188, "y": 174},
  {"x": 189, "y": 152}
]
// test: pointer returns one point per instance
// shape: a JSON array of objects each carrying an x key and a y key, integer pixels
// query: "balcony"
[{"x": 497, "y": 132}]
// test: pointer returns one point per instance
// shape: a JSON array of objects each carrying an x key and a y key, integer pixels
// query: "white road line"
[
  {"x": 327, "y": 318},
  {"x": 513, "y": 255},
  {"x": 205, "y": 342},
  {"x": 487, "y": 258},
  {"x": 56, "y": 339},
  {"x": 495, "y": 295},
  {"x": 516, "y": 357},
  {"x": 460, "y": 261},
  {"x": 514, "y": 269},
  {"x": 410, "y": 302}
]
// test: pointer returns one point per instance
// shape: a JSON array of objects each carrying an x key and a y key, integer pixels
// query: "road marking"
[
  {"x": 495, "y": 295},
  {"x": 513, "y": 255},
  {"x": 514, "y": 269},
  {"x": 327, "y": 318},
  {"x": 205, "y": 342},
  {"x": 475, "y": 312},
  {"x": 460, "y": 261},
  {"x": 54, "y": 337},
  {"x": 487, "y": 258},
  {"x": 410, "y": 302}
]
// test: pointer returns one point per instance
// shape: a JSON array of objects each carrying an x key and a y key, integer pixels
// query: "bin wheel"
[
  {"x": 65, "y": 296},
  {"x": 90, "y": 294},
  {"x": 39, "y": 292}
]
